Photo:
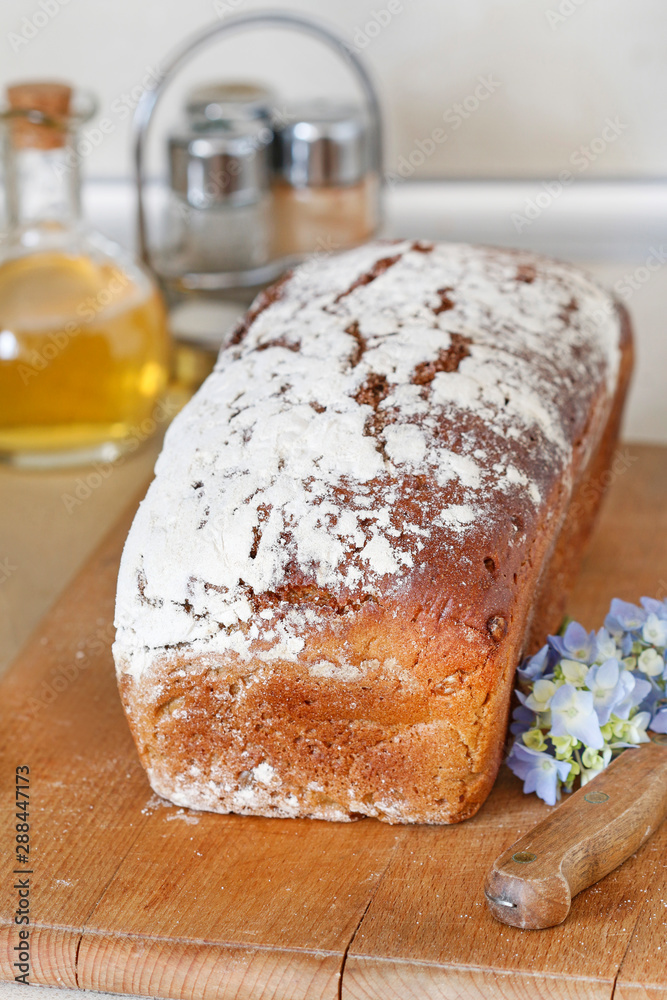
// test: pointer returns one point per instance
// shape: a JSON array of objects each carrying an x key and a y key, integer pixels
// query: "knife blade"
[{"x": 531, "y": 885}]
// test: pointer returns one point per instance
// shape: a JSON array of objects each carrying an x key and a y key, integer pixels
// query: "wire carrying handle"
[{"x": 150, "y": 98}]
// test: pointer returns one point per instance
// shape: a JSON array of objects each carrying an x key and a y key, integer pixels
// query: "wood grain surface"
[
  {"x": 135, "y": 896},
  {"x": 50, "y": 524}
]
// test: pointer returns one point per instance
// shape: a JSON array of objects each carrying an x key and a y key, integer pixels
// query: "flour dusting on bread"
[{"x": 297, "y": 449}]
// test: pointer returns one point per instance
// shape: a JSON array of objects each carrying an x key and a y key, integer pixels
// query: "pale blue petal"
[
  {"x": 658, "y": 608},
  {"x": 651, "y": 605},
  {"x": 626, "y": 644},
  {"x": 563, "y": 696},
  {"x": 604, "y": 712},
  {"x": 608, "y": 674},
  {"x": 546, "y": 786},
  {"x": 587, "y": 729},
  {"x": 659, "y": 723},
  {"x": 642, "y": 689},
  {"x": 625, "y": 616},
  {"x": 530, "y": 784},
  {"x": 558, "y": 726},
  {"x": 520, "y": 760},
  {"x": 563, "y": 768},
  {"x": 536, "y": 666}
]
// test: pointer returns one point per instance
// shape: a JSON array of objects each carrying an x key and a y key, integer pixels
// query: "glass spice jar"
[
  {"x": 217, "y": 228},
  {"x": 219, "y": 215},
  {"x": 326, "y": 183}
]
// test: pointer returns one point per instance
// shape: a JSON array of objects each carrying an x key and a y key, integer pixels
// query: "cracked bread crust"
[{"x": 359, "y": 525}]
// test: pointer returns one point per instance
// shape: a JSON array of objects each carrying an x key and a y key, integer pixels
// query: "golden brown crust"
[{"x": 396, "y": 706}]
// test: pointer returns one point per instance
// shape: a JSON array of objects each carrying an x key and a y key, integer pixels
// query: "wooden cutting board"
[{"x": 131, "y": 895}]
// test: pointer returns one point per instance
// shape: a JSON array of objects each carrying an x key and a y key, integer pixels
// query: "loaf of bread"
[{"x": 367, "y": 514}]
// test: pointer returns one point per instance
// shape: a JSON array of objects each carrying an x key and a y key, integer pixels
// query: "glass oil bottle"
[{"x": 84, "y": 349}]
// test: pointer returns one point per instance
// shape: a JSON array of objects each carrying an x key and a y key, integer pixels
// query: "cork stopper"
[{"x": 50, "y": 98}]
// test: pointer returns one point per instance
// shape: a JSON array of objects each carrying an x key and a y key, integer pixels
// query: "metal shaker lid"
[
  {"x": 213, "y": 103},
  {"x": 226, "y": 166},
  {"x": 324, "y": 144}
]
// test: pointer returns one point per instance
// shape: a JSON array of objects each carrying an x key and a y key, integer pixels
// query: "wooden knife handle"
[{"x": 531, "y": 885}]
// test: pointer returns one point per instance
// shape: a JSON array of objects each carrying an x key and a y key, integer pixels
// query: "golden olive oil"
[{"x": 83, "y": 355}]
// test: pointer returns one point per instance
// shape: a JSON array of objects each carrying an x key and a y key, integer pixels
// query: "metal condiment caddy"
[{"x": 234, "y": 171}]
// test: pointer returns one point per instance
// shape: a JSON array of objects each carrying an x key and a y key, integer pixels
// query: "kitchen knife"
[{"x": 531, "y": 885}]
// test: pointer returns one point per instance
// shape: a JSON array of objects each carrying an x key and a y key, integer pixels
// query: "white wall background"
[{"x": 560, "y": 68}]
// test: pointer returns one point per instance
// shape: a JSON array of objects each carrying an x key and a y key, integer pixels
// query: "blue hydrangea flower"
[
  {"x": 651, "y": 663},
  {"x": 575, "y": 644},
  {"x": 605, "y": 645},
  {"x": 538, "y": 665},
  {"x": 573, "y": 714},
  {"x": 652, "y": 693},
  {"x": 539, "y": 699},
  {"x": 640, "y": 691},
  {"x": 654, "y": 607},
  {"x": 635, "y": 728},
  {"x": 627, "y": 641},
  {"x": 611, "y": 686},
  {"x": 593, "y": 763},
  {"x": 539, "y": 771},
  {"x": 654, "y": 630},
  {"x": 624, "y": 617},
  {"x": 659, "y": 721},
  {"x": 522, "y": 720},
  {"x": 587, "y": 696}
]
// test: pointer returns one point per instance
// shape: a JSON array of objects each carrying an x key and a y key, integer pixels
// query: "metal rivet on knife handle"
[
  {"x": 496, "y": 899},
  {"x": 596, "y": 797},
  {"x": 660, "y": 739},
  {"x": 523, "y": 857}
]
